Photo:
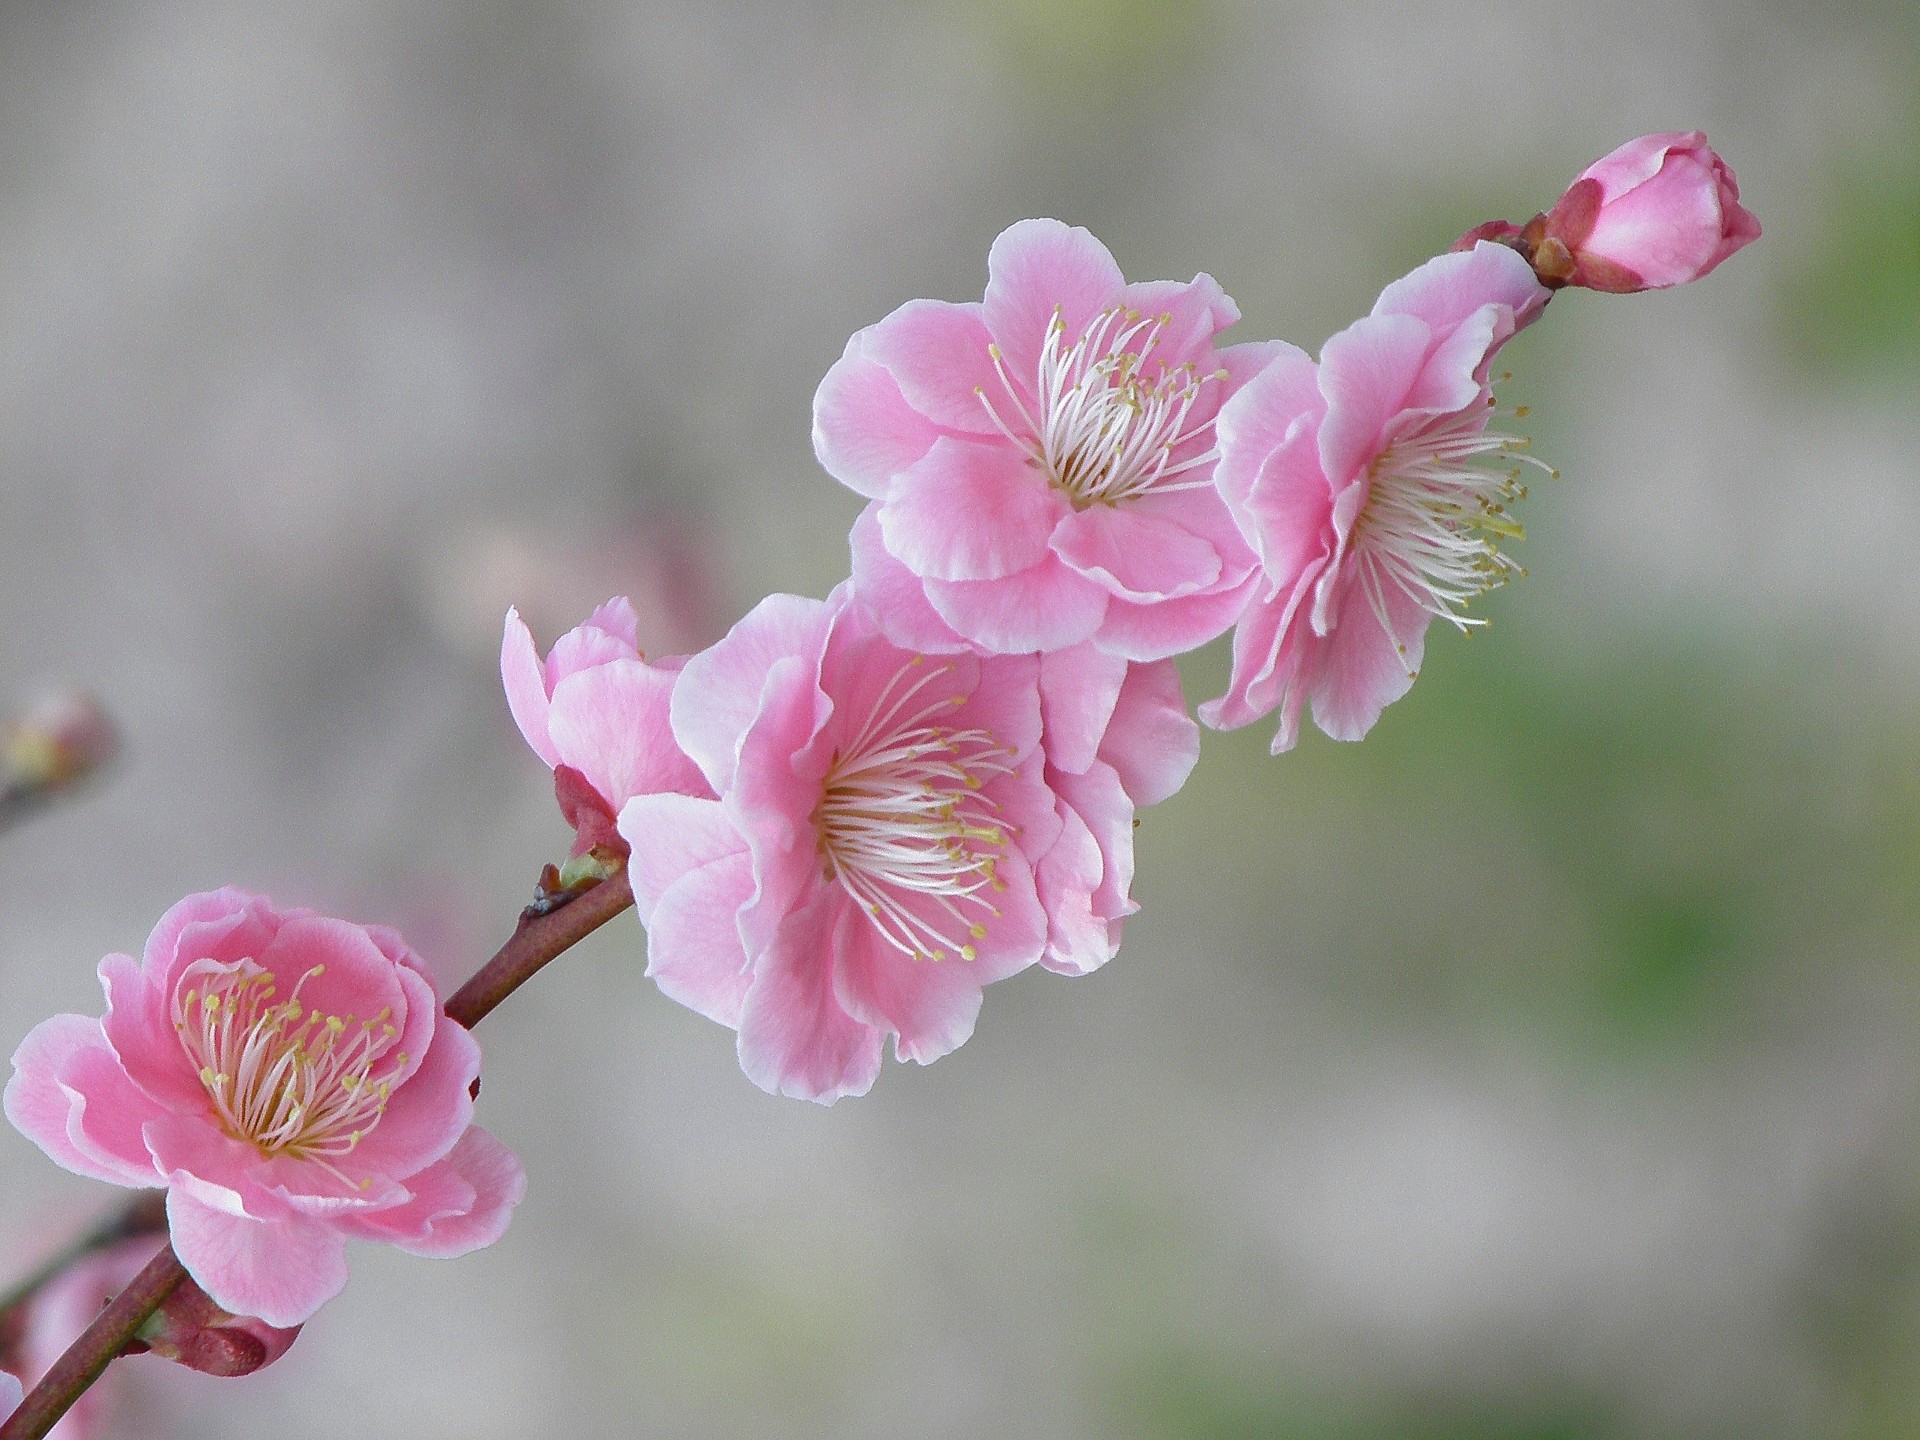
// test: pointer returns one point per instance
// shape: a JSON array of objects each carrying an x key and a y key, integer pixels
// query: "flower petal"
[
  {"x": 1046, "y": 608},
  {"x": 864, "y": 431},
  {"x": 937, "y": 354},
  {"x": 279, "y": 1270},
  {"x": 70, "y": 1096},
  {"x": 970, "y": 512},
  {"x": 1038, "y": 268}
]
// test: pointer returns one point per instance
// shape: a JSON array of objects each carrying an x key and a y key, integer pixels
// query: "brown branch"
[{"x": 537, "y": 939}]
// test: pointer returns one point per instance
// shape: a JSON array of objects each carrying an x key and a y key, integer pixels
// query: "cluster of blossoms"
[{"x": 850, "y": 815}]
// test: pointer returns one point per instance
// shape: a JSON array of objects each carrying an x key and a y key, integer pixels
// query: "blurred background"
[{"x": 1548, "y": 1066}]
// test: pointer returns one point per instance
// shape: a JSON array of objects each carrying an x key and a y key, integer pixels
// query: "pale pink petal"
[
  {"x": 582, "y": 648},
  {"x": 1269, "y": 651},
  {"x": 223, "y": 924},
  {"x": 1135, "y": 554},
  {"x": 1035, "y": 270},
  {"x": 1365, "y": 373},
  {"x": 460, "y": 1204},
  {"x": 1262, "y": 416},
  {"x": 523, "y": 676},
  {"x": 1046, "y": 608},
  {"x": 613, "y": 724},
  {"x": 1078, "y": 689},
  {"x": 694, "y": 951},
  {"x": 930, "y": 1005},
  {"x": 1288, "y": 509},
  {"x": 970, "y": 512},
  {"x": 937, "y": 354},
  {"x": 70, "y": 1097},
  {"x": 219, "y": 1171},
  {"x": 794, "y": 1037},
  {"x": 1449, "y": 288},
  {"x": 864, "y": 431},
  {"x": 11, "y": 1394},
  {"x": 1453, "y": 379},
  {"x": 1152, "y": 743},
  {"x": 616, "y": 617},
  {"x": 279, "y": 1270},
  {"x": 719, "y": 690},
  {"x": 893, "y": 595},
  {"x": 672, "y": 835},
  {"x": 1362, "y": 668},
  {"x": 1171, "y": 627},
  {"x": 1078, "y": 941},
  {"x": 139, "y": 1026}
]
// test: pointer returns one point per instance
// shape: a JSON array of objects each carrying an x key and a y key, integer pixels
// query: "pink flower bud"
[
  {"x": 190, "y": 1329},
  {"x": 1659, "y": 211}
]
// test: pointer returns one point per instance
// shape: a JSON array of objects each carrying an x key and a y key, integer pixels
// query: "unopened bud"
[
  {"x": 190, "y": 1329},
  {"x": 1659, "y": 211}
]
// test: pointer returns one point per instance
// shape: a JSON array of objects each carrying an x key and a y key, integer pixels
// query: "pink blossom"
[
  {"x": 1374, "y": 493},
  {"x": 596, "y": 711},
  {"x": 1659, "y": 211},
  {"x": 292, "y": 1082},
  {"x": 10, "y": 1394},
  {"x": 879, "y": 848},
  {"x": 1040, "y": 462}
]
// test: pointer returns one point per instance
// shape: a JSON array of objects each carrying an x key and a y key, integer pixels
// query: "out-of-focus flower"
[
  {"x": 1117, "y": 737},
  {"x": 1375, "y": 494},
  {"x": 1659, "y": 211},
  {"x": 876, "y": 852},
  {"x": 1040, "y": 463},
  {"x": 597, "y": 712},
  {"x": 56, "y": 1315},
  {"x": 293, "y": 1083},
  {"x": 57, "y": 741},
  {"x": 10, "y": 1394}
]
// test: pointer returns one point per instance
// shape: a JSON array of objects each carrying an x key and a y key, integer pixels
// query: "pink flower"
[
  {"x": 596, "y": 711},
  {"x": 879, "y": 848},
  {"x": 1040, "y": 463},
  {"x": 1117, "y": 736},
  {"x": 292, "y": 1082},
  {"x": 1659, "y": 211},
  {"x": 1374, "y": 493},
  {"x": 10, "y": 1394}
]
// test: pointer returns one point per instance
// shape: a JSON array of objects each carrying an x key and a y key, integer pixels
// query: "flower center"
[
  {"x": 1436, "y": 515},
  {"x": 904, "y": 825},
  {"x": 287, "y": 1079},
  {"x": 1105, "y": 432}
]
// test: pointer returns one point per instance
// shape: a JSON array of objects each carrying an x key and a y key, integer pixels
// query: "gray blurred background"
[{"x": 1548, "y": 1066}]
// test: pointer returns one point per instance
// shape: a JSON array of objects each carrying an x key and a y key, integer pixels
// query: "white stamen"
[
  {"x": 1105, "y": 432},
  {"x": 1435, "y": 516},
  {"x": 289, "y": 1080},
  {"x": 902, "y": 813}
]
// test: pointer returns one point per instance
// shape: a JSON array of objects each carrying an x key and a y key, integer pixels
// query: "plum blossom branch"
[{"x": 537, "y": 939}]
